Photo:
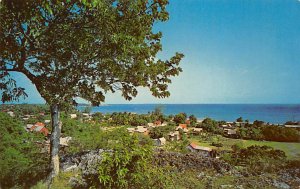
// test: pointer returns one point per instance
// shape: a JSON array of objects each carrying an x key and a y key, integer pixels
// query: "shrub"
[
  {"x": 21, "y": 162},
  {"x": 129, "y": 165}
]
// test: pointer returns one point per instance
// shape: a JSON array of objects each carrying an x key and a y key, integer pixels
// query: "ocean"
[{"x": 273, "y": 113}]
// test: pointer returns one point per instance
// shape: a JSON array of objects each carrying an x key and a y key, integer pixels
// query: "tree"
[
  {"x": 82, "y": 49},
  {"x": 193, "y": 120},
  {"x": 180, "y": 118},
  {"x": 240, "y": 119}
]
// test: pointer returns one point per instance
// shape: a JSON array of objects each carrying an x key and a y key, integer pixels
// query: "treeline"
[
  {"x": 132, "y": 119},
  {"x": 24, "y": 109},
  {"x": 257, "y": 130}
]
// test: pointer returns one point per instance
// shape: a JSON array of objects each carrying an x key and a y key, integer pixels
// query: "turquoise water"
[{"x": 273, "y": 113}]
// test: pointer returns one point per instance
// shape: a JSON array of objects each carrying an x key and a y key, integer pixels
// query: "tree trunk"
[{"x": 54, "y": 141}]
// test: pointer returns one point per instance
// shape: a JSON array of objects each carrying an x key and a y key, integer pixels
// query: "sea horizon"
[{"x": 273, "y": 113}]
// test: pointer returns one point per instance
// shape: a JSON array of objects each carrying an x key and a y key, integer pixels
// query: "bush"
[
  {"x": 21, "y": 162},
  {"x": 257, "y": 158},
  {"x": 129, "y": 165}
]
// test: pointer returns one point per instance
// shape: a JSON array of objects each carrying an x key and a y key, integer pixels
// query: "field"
[{"x": 292, "y": 150}]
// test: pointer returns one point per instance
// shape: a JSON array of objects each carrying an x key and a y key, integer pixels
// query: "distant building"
[
  {"x": 38, "y": 127},
  {"x": 47, "y": 121},
  {"x": 150, "y": 124},
  {"x": 157, "y": 123},
  {"x": 201, "y": 150},
  {"x": 183, "y": 127},
  {"x": 142, "y": 129},
  {"x": 292, "y": 126},
  {"x": 10, "y": 113},
  {"x": 174, "y": 136},
  {"x": 130, "y": 130},
  {"x": 230, "y": 132},
  {"x": 197, "y": 131},
  {"x": 160, "y": 141},
  {"x": 73, "y": 116}
]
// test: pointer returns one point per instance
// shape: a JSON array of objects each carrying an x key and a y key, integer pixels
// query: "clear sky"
[{"x": 236, "y": 51}]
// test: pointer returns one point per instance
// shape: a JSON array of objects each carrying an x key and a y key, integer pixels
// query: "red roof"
[
  {"x": 194, "y": 145},
  {"x": 40, "y": 124},
  {"x": 45, "y": 131},
  {"x": 183, "y": 126},
  {"x": 157, "y": 123}
]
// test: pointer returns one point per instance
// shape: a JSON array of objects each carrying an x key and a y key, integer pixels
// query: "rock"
[
  {"x": 282, "y": 185},
  {"x": 190, "y": 161},
  {"x": 227, "y": 186},
  {"x": 87, "y": 163}
]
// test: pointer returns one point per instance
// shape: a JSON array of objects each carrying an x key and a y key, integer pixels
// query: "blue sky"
[{"x": 236, "y": 51}]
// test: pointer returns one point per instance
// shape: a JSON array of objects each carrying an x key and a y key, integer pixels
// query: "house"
[
  {"x": 47, "y": 121},
  {"x": 197, "y": 131},
  {"x": 11, "y": 114},
  {"x": 183, "y": 127},
  {"x": 230, "y": 132},
  {"x": 188, "y": 122},
  {"x": 201, "y": 150},
  {"x": 29, "y": 126},
  {"x": 292, "y": 126},
  {"x": 142, "y": 129},
  {"x": 38, "y": 127},
  {"x": 85, "y": 115},
  {"x": 157, "y": 123},
  {"x": 150, "y": 124},
  {"x": 160, "y": 141},
  {"x": 130, "y": 130},
  {"x": 73, "y": 116},
  {"x": 39, "y": 124},
  {"x": 42, "y": 130},
  {"x": 174, "y": 136}
]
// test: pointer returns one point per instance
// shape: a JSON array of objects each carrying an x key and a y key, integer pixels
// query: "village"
[{"x": 176, "y": 132}]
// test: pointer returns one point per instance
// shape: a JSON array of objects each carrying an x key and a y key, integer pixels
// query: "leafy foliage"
[
  {"x": 21, "y": 162},
  {"x": 193, "y": 120},
  {"x": 112, "y": 47},
  {"x": 257, "y": 158},
  {"x": 210, "y": 125},
  {"x": 180, "y": 118},
  {"x": 129, "y": 165},
  {"x": 281, "y": 134},
  {"x": 159, "y": 132}
]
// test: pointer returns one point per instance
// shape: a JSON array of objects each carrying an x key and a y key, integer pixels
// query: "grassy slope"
[{"x": 292, "y": 150}]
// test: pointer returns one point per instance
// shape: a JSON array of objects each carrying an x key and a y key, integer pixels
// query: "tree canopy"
[
  {"x": 80, "y": 48},
  {"x": 83, "y": 48}
]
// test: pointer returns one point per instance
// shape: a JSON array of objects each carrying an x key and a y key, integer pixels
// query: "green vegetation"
[
  {"x": 292, "y": 150},
  {"x": 159, "y": 132},
  {"x": 86, "y": 48},
  {"x": 129, "y": 165},
  {"x": 258, "y": 130},
  {"x": 129, "y": 159},
  {"x": 257, "y": 158},
  {"x": 180, "y": 118},
  {"x": 21, "y": 162}
]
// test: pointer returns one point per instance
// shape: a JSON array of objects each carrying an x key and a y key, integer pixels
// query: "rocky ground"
[{"x": 208, "y": 170}]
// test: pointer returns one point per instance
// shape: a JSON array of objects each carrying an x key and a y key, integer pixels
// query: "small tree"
[
  {"x": 240, "y": 119},
  {"x": 180, "y": 118},
  {"x": 82, "y": 49},
  {"x": 193, "y": 120}
]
